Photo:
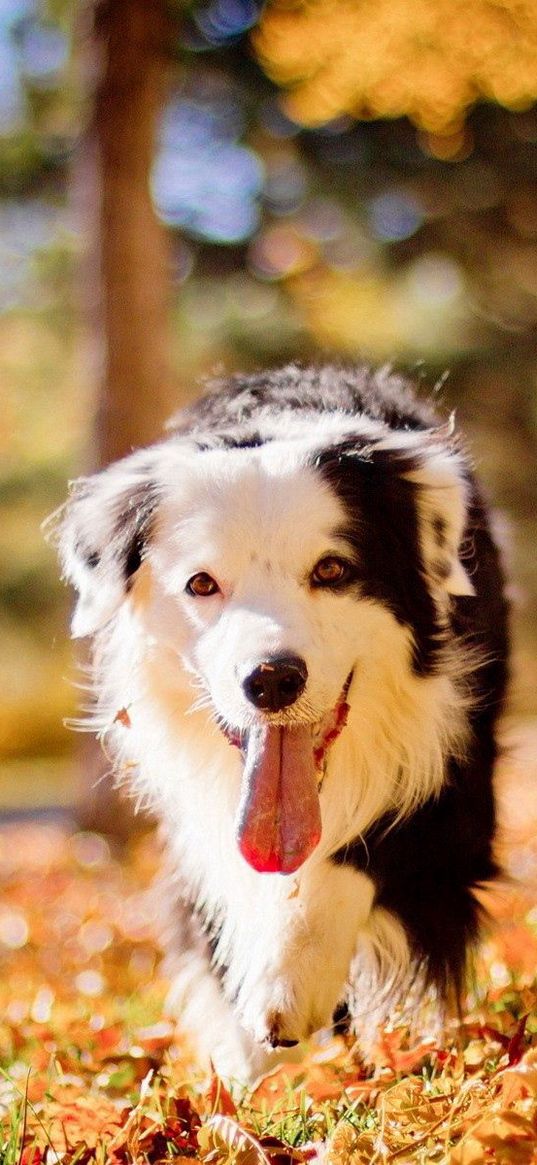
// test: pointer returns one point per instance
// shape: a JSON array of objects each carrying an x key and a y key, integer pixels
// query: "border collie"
[{"x": 299, "y": 660}]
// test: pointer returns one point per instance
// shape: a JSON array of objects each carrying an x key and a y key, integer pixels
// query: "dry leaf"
[{"x": 235, "y": 1143}]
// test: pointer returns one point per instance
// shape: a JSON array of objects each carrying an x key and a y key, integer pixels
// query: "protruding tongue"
[{"x": 279, "y": 817}]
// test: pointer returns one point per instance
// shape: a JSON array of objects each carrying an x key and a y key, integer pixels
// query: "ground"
[{"x": 91, "y": 1072}]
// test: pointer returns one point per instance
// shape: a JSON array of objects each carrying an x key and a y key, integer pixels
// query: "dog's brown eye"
[
  {"x": 202, "y": 585},
  {"x": 331, "y": 572}
]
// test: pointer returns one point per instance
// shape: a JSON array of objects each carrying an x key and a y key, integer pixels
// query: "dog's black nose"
[{"x": 276, "y": 683}]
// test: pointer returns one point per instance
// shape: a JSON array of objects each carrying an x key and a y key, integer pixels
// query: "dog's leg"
[
  {"x": 198, "y": 1005},
  {"x": 196, "y": 1002},
  {"x": 297, "y": 958},
  {"x": 385, "y": 977}
]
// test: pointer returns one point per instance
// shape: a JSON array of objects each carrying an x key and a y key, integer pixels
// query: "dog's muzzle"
[{"x": 279, "y": 817}]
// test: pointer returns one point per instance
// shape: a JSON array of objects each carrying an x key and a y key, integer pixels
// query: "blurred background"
[{"x": 193, "y": 188}]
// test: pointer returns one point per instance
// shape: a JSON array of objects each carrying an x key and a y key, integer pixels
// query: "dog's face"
[
  {"x": 277, "y": 575},
  {"x": 253, "y": 571}
]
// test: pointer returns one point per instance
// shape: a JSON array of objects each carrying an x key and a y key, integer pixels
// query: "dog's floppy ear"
[
  {"x": 102, "y": 533},
  {"x": 419, "y": 479},
  {"x": 437, "y": 471}
]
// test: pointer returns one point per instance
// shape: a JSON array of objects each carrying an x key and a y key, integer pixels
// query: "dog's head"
[{"x": 278, "y": 574}]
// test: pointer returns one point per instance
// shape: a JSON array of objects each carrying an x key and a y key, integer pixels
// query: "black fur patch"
[
  {"x": 341, "y": 1020},
  {"x": 191, "y": 931},
  {"x": 223, "y": 439},
  {"x": 212, "y": 932},
  {"x": 439, "y": 530},
  {"x": 132, "y": 527},
  {"x": 382, "y": 530},
  {"x": 426, "y": 867}
]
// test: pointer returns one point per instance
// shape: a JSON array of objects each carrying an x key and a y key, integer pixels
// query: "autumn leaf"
[
  {"x": 112, "y": 1083},
  {"x": 218, "y": 1098}
]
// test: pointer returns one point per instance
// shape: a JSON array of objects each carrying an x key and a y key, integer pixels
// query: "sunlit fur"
[{"x": 250, "y": 953}]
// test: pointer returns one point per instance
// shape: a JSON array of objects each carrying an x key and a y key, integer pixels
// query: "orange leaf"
[{"x": 218, "y": 1098}]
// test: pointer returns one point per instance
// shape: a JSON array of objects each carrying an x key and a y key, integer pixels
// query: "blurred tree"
[{"x": 129, "y": 261}]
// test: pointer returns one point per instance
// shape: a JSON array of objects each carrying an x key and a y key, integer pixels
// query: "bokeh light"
[
  {"x": 394, "y": 215},
  {"x": 223, "y": 21},
  {"x": 286, "y": 183},
  {"x": 12, "y": 12},
  {"x": 204, "y": 180},
  {"x": 280, "y": 251},
  {"x": 435, "y": 280},
  {"x": 44, "y": 52}
]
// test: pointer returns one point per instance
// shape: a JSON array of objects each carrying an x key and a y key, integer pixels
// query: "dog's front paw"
[
  {"x": 271, "y": 1016},
  {"x": 285, "y": 1009},
  {"x": 196, "y": 1002}
]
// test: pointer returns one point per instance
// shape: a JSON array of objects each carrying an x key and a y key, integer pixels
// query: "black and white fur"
[{"x": 258, "y": 482}]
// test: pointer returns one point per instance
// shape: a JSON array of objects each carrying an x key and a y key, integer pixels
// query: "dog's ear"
[
  {"x": 434, "y": 465},
  {"x": 102, "y": 533},
  {"x": 420, "y": 481}
]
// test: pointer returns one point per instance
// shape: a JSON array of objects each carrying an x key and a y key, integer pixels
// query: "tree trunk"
[
  {"x": 131, "y": 283},
  {"x": 126, "y": 61}
]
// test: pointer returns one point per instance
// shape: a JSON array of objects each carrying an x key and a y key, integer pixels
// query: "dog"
[{"x": 299, "y": 656}]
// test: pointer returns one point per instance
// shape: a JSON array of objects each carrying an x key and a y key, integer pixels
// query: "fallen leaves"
[{"x": 94, "y": 1075}]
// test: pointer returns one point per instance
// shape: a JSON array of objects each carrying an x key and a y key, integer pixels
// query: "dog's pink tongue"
[{"x": 279, "y": 818}]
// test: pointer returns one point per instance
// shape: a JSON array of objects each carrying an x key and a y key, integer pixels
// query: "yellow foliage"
[
  {"x": 45, "y": 396},
  {"x": 369, "y": 314},
  {"x": 429, "y": 60},
  {"x": 35, "y": 694}
]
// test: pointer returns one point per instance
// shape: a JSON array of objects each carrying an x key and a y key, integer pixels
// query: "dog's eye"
[
  {"x": 331, "y": 572},
  {"x": 202, "y": 585}
]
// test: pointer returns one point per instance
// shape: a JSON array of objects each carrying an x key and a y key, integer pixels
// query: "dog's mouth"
[{"x": 279, "y": 816}]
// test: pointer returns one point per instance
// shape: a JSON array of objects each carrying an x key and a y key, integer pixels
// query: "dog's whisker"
[{"x": 199, "y": 705}]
